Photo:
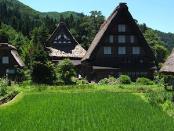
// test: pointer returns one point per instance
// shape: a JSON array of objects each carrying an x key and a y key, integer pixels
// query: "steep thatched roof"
[
  {"x": 168, "y": 66},
  {"x": 76, "y": 52},
  {"x": 14, "y": 53},
  {"x": 17, "y": 58},
  {"x": 6, "y": 45},
  {"x": 105, "y": 26},
  {"x": 62, "y": 44}
]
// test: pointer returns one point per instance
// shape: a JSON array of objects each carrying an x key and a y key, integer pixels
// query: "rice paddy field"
[{"x": 82, "y": 111}]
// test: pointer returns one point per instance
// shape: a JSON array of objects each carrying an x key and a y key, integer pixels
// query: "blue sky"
[{"x": 157, "y": 14}]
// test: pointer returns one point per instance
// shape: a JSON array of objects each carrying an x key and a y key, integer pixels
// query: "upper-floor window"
[
  {"x": 121, "y": 39},
  {"x": 121, "y": 50},
  {"x": 107, "y": 50},
  {"x": 111, "y": 38},
  {"x": 136, "y": 50},
  {"x": 5, "y": 60},
  {"x": 121, "y": 28},
  {"x": 132, "y": 39}
]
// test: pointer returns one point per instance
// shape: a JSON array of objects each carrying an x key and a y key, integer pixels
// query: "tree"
[
  {"x": 43, "y": 73},
  {"x": 39, "y": 37},
  {"x": 65, "y": 71},
  {"x": 3, "y": 37},
  {"x": 157, "y": 45}
]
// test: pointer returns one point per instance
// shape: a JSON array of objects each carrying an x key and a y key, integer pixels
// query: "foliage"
[
  {"x": 144, "y": 81},
  {"x": 163, "y": 100},
  {"x": 65, "y": 71},
  {"x": 168, "y": 107},
  {"x": 39, "y": 37},
  {"x": 3, "y": 87},
  {"x": 157, "y": 45},
  {"x": 97, "y": 110},
  {"x": 21, "y": 42},
  {"x": 157, "y": 98},
  {"x": 43, "y": 73},
  {"x": 81, "y": 81},
  {"x": 168, "y": 39},
  {"x": 110, "y": 81},
  {"x": 124, "y": 79},
  {"x": 168, "y": 79}
]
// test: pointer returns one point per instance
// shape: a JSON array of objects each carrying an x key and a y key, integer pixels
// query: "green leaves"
[
  {"x": 65, "y": 71},
  {"x": 157, "y": 45}
]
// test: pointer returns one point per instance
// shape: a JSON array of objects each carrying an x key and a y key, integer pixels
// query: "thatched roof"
[
  {"x": 62, "y": 44},
  {"x": 14, "y": 53},
  {"x": 76, "y": 52},
  {"x": 17, "y": 58},
  {"x": 6, "y": 45},
  {"x": 105, "y": 26},
  {"x": 168, "y": 66}
]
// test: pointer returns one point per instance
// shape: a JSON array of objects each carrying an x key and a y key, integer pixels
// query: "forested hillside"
[{"x": 25, "y": 25}]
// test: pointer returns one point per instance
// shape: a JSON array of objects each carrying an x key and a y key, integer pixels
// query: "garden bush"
[
  {"x": 110, "y": 80},
  {"x": 43, "y": 73},
  {"x": 124, "y": 79},
  {"x": 3, "y": 87},
  {"x": 144, "y": 81},
  {"x": 65, "y": 71},
  {"x": 81, "y": 81},
  {"x": 158, "y": 98}
]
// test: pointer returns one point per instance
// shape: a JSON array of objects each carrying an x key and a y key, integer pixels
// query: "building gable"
[
  {"x": 62, "y": 44},
  {"x": 61, "y": 37},
  {"x": 109, "y": 34}
]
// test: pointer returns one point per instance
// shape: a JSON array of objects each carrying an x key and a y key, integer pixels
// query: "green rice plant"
[{"x": 87, "y": 111}]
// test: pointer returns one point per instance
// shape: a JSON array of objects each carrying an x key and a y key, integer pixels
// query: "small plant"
[
  {"x": 110, "y": 80},
  {"x": 144, "y": 81},
  {"x": 158, "y": 98},
  {"x": 43, "y": 73},
  {"x": 124, "y": 79},
  {"x": 66, "y": 71},
  {"x": 82, "y": 81},
  {"x": 3, "y": 87}
]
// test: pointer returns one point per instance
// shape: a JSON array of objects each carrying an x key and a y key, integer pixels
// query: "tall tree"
[{"x": 157, "y": 45}]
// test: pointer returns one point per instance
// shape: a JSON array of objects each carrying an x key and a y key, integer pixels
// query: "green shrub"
[
  {"x": 144, "y": 81},
  {"x": 43, "y": 73},
  {"x": 110, "y": 80},
  {"x": 3, "y": 87},
  {"x": 168, "y": 79},
  {"x": 158, "y": 98},
  {"x": 66, "y": 71},
  {"x": 124, "y": 79},
  {"x": 168, "y": 105},
  {"x": 82, "y": 81}
]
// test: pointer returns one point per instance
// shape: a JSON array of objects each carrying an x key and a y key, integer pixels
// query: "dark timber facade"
[{"x": 119, "y": 48}]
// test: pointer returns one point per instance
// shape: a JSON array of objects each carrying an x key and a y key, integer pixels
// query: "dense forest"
[{"x": 24, "y": 27}]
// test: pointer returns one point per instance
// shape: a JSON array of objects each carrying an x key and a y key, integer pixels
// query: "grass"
[{"x": 84, "y": 110}]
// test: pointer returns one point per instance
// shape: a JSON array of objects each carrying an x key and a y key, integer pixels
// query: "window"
[
  {"x": 121, "y": 28},
  {"x": 5, "y": 60},
  {"x": 107, "y": 50},
  {"x": 111, "y": 39},
  {"x": 121, "y": 50},
  {"x": 136, "y": 50},
  {"x": 132, "y": 39},
  {"x": 10, "y": 71},
  {"x": 121, "y": 39}
]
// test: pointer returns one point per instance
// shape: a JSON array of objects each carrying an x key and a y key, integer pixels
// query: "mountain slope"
[{"x": 23, "y": 18}]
